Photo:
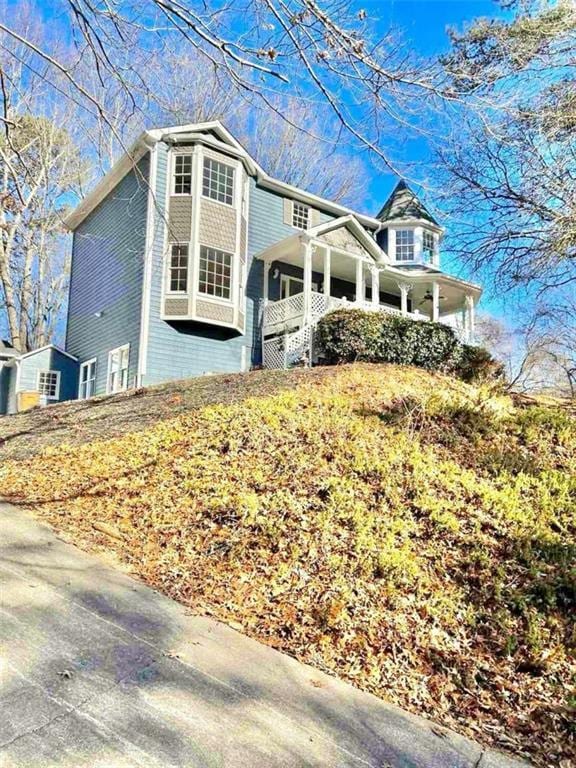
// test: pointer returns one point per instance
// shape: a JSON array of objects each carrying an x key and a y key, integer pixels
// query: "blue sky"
[{"x": 423, "y": 26}]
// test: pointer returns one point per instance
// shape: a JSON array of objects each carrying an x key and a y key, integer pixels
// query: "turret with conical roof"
[{"x": 410, "y": 234}]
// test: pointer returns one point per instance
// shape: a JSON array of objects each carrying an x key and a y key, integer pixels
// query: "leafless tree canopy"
[
  {"x": 265, "y": 50},
  {"x": 510, "y": 164},
  {"x": 40, "y": 167}
]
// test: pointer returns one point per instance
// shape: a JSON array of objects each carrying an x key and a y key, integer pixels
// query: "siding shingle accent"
[
  {"x": 213, "y": 311},
  {"x": 180, "y": 219},
  {"x": 217, "y": 226}
]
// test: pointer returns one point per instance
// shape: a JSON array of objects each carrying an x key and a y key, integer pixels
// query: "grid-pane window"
[
  {"x": 427, "y": 245},
  {"x": 182, "y": 174},
  {"x": 300, "y": 216},
  {"x": 118, "y": 369},
  {"x": 87, "y": 379},
  {"x": 215, "y": 276},
  {"x": 218, "y": 181},
  {"x": 49, "y": 384},
  {"x": 179, "y": 268},
  {"x": 405, "y": 245}
]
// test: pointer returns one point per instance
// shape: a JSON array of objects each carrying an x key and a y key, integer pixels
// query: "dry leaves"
[{"x": 402, "y": 530}]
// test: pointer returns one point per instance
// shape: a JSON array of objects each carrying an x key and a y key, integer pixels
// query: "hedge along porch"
[{"x": 337, "y": 264}]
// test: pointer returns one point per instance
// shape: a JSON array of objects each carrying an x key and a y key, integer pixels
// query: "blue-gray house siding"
[
  {"x": 183, "y": 349},
  {"x": 265, "y": 228},
  {"x": 106, "y": 277}
]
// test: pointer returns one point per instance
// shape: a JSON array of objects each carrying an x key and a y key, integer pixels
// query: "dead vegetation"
[{"x": 400, "y": 529}]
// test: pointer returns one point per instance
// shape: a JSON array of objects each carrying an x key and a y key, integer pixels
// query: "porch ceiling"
[
  {"x": 289, "y": 251},
  {"x": 452, "y": 293}
]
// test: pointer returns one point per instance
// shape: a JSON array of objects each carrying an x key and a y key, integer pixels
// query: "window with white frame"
[
  {"x": 118, "y": 369},
  {"x": 300, "y": 215},
  {"x": 182, "y": 174},
  {"x": 427, "y": 245},
  {"x": 178, "y": 277},
  {"x": 291, "y": 286},
  {"x": 87, "y": 379},
  {"x": 215, "y": 273},
  {"x": 218, "y": 181},
  {"x": 405, "y": 245},
  {"x": 49, "y": 384}
]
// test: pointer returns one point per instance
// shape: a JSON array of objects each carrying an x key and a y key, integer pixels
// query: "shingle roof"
[{"x": 404, "y": 204}]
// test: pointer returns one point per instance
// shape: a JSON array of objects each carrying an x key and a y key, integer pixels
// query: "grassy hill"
[{"x": 402, "y": 530}]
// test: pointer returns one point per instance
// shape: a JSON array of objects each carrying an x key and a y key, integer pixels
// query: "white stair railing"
[{"x": 295, "y": 344}]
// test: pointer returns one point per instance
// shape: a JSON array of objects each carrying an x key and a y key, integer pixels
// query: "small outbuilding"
[{"x": 41, "y": 377}]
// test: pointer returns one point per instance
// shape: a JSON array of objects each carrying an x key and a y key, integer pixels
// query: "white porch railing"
[
  {"x": 288, "y": 314},
  {"x": 292, "y": 340}
]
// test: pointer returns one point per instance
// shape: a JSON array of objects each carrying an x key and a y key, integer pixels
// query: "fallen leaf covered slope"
[{"x": 405, "y": 531}]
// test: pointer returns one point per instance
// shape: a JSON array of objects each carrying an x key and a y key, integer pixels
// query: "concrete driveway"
[{"x": 100, "y": 671}]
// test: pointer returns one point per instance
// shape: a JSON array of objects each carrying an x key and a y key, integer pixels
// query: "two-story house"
[{"x": 188, "y": 259}]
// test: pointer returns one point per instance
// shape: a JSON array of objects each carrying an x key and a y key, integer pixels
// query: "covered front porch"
[{"x": 314, "y": 272}]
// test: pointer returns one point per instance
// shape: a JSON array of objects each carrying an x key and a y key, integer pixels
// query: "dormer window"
[
  {"x": 300, "y": 216},
  {"x": 405, "y": 245},
  {"x": 427, "y": 246}
]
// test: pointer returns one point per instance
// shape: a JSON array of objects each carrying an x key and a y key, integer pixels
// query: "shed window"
[
  {"x": 87, "y": 379},
  {"x": 49, "y": 384},
  {"x": 182, "y": 174},
  {"x": 405, "y": 245},
  {"x": 300, "y": 216},
  {"x": 215, "y": 276},
  {"x": 179, "y": 268},
  {"x": 118, "y": 369},
  {"x": 218, "y": 181},
  {"x": 427, "y": 245}
]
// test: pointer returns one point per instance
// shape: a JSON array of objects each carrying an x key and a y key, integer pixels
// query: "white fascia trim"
[
  {"x": 410, "y": 223},
  {"x": 421, "y": 276},
  {"x": 107, "y": 183},
  {"x": 351, "y": 222},
  {"x": 147, "y": 267},
  {"x": 147, "y": 139},
  {"x": 49, "y": 346}
]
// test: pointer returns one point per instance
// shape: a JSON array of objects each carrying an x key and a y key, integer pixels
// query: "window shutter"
[
  {"x": 288, "y": 211},
  {"x": 314, "y": 217}
]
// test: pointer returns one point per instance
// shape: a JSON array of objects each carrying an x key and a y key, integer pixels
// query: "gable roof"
[
  {"x": 212, "y": 133},
  {"x": 281, "y": 248},
  {"x": 403, "y": 203},
  {"x": 49, "y": 346},
  {"x": 352, "y": 224}
]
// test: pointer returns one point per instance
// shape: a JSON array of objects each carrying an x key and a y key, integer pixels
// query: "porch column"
[
  {"x": 327, "y": 267},
  {"x": 405, "y": 289},
  {"x": 469, "y": 317},
  {"x": 307, "y": 279},
  {"x": 375, "y": 274},
  {"x": 360, "y": 292},
  {"x": 266, "y": 278},
  {"x": 435, "y": 301}
]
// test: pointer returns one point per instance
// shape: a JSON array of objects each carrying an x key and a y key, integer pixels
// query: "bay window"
[
  {"x": 218, "y": 181},
  {"x": 215, "y": 273},
  {"x": 405, "y": 245},
  {"x": 178, "y": 277},
  {"x": 183, "y": 174},
  {"x": 427, "y": 246}
]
